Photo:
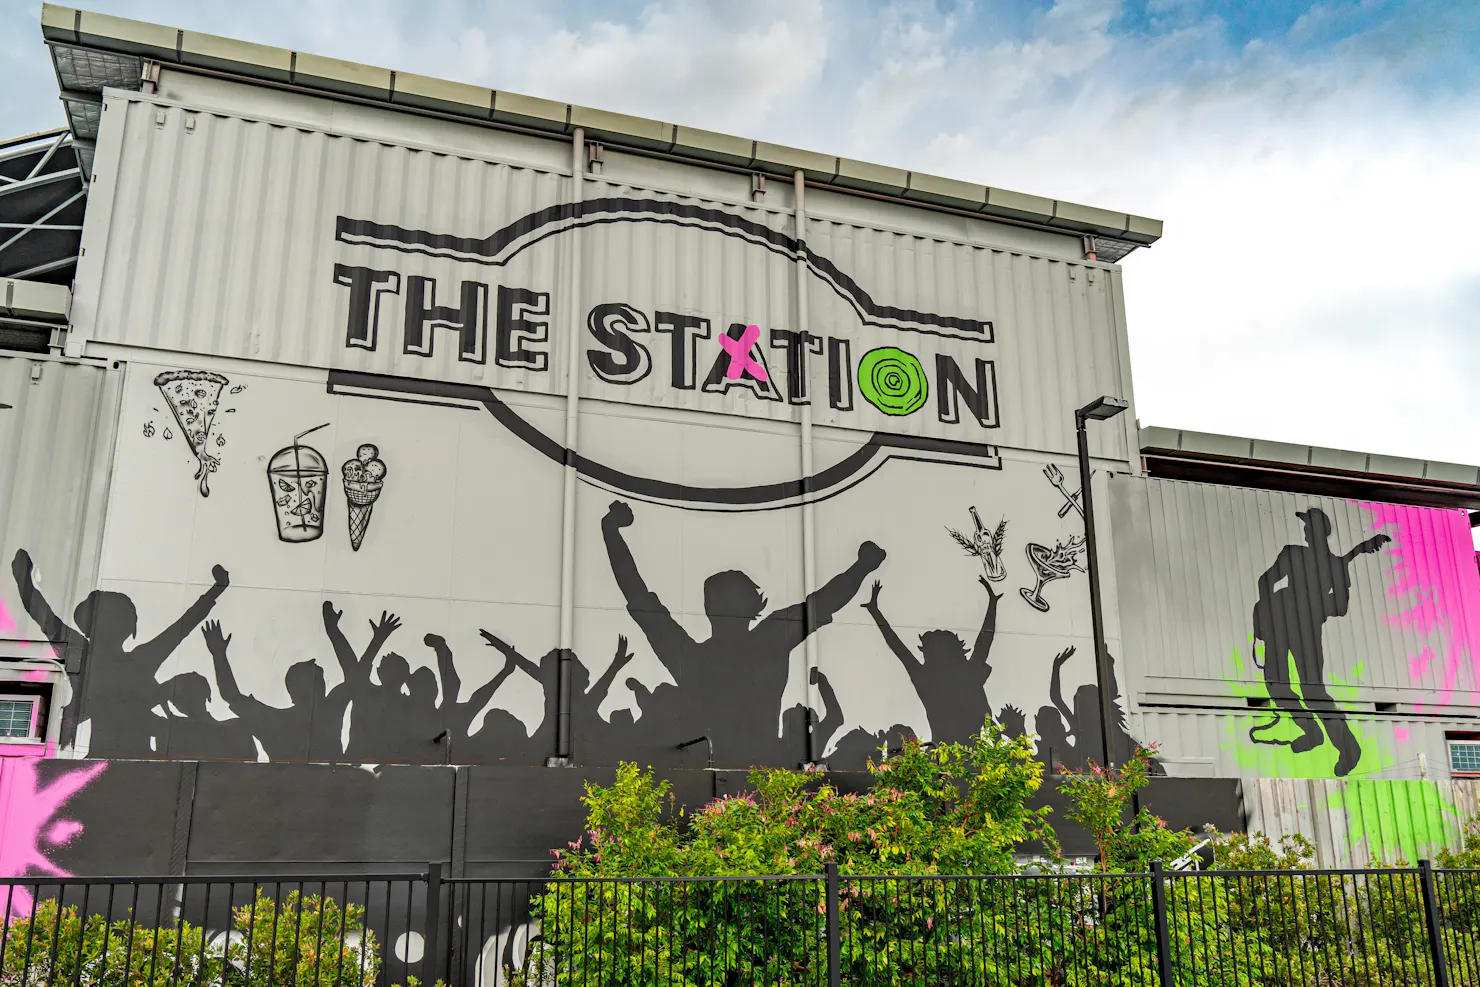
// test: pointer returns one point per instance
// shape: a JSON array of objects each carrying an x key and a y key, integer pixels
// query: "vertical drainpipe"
[
  {"x": 568, "y": 505},
  {"x": 809, "y": 527}
]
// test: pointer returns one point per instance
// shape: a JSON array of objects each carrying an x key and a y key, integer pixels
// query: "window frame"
[
  {"x": 1451, "y": 741},
  {"x": 32, "y": 736}
]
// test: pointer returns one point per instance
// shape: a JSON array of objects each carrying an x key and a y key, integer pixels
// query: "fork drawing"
[{"x": 1071, "y": 501}]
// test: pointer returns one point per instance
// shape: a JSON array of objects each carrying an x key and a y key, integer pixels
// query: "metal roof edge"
[
  {"x": 69, "y": 25},
  {"x": 1209, "y": 446}
]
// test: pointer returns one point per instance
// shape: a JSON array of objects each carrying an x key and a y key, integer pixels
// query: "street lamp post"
[{"x": 1099, "y": 409}]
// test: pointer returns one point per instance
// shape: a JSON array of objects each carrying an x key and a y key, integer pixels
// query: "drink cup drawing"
[
  {"x": 298, "y": 476},
  {"x": 1048, "y": 565}
]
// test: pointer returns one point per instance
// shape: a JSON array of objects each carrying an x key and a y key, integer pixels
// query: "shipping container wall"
[
  {"x": 1216, "y": 743},
  {"x": 56, "y": 432},
  {"x": 245, "y": 237},
  {"x": 1305, "y": 613},
  {"x": 310, "y": 566},
  {"x": 1364, "y": 823},
  {"x": 337, "y": 521}
]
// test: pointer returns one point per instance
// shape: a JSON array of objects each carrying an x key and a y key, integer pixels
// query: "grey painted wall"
[{"x": 1377, "y": 603}]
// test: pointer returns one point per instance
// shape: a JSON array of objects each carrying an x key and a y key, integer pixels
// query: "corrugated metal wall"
[
  {"x": 1359, "y": 823},
  {"x": 1208, "y": 743},
  {"x": 1189, "y": 558},
  {"x": 219, "y": 238},
  {"x": 55, "y": 440},
  {"x": 1057, "y": 342},
  {"x": 214, "y": 234}
]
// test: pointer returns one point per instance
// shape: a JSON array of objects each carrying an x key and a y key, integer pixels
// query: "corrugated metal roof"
[
  {"x": 1155, "y": 439},
  {"x": 65, "y": 27},
  {"x": 42, "y": 200}
]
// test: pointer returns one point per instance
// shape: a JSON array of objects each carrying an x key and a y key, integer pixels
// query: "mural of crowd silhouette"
[{"x": 727, "y": 687}]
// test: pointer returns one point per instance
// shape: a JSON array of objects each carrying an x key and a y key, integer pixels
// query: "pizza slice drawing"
[{"x": 193, "y": 396}]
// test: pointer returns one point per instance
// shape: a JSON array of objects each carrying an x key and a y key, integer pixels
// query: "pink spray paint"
[
  {"x": 740, "y": 359},
  {"x": 1434, "y": 577},
  {"x": 28, "y": 819},
  {"x": 7, "y": 622}
]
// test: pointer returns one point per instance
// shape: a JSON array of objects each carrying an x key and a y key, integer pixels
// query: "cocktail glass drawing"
[
  {"x": 298, "y": 476},
  {"x": 1048, "y": 565}
]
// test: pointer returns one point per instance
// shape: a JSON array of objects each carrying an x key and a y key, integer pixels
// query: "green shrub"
[
  {"x": 56, "y": 944},
  {"x": 303, "y": 941}
]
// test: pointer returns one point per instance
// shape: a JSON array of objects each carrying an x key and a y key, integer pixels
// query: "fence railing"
[{"x": 1401, "y": 926}]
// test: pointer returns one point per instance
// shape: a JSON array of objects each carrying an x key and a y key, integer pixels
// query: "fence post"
[
  {"x": 432, "y": 936},
  {"x": 1163, "y": 934},
  {"x": 834, "y": 943},
  {"x": 1431, "y": 919}
]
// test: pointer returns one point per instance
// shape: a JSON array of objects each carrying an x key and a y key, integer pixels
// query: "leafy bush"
[
  {"x": 303, "y": 941},
  {"x": 962, "y": 810},
  {"x": 55, "y": 944},
  {"x": 1098, "y": 798},
  {"x": 953, "y": 809}
]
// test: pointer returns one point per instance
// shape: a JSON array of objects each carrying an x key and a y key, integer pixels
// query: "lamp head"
[{"x": 1103, "y": 407}]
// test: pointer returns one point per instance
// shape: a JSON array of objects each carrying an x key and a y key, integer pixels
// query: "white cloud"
[
  {"x": 1318, "y": 276},
  {"x": 1315, "y": 277},
  {"x": 716, "y": 66}
]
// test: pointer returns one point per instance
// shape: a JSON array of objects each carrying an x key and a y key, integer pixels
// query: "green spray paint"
[
  {"x": 1278, "y": 760},
  {"x": 1397, "y": 820},
  {"x": 1393, "y": 820}
]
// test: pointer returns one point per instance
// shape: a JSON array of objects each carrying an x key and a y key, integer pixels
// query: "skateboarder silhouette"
[
  {"x": 1306, "y": 586},
  {"x": 733, "y": 682}
]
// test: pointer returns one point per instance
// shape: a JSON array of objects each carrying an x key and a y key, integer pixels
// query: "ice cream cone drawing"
[{"x": 364, "y": 476}]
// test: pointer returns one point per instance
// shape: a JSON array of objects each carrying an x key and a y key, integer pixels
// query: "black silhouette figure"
[
  {"x": 950, "y": 682},
  {"x": 854, "y": 749},
  {"x": 1307, "y": 585},
  {"x": 731, "y": 684},
  {"x": 114, "y": 686},
  {"x": 421, "y": 701},
  {"x": 585, "y": 699},
  {"x": 502, "y": 734},
  {"x": 193, "y": 732},
  {"x": 1080, "y": 743},
  {"x": 1013, "y": 722},
  {"x": 309, "y": 729},
  {"x": 376, "y": 731}
]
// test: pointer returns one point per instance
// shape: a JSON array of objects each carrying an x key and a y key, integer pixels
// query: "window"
[
  {"x": 1464, "y": 755},
  {"x": 18, "y": 716}
]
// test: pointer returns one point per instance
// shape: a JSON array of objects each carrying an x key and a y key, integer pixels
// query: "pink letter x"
[{"x": 740, "y": 358}]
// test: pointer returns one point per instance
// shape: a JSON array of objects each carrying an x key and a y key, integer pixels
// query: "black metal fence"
[{"x": 1401, "y": 926}]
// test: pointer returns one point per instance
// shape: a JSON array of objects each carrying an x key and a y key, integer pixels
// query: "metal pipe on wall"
[
  {"x": 809, "y": 526},
  {"x": 568, "y": 498}
]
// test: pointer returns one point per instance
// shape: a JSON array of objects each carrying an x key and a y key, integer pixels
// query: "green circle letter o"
[{"x": 892, "y": 380}]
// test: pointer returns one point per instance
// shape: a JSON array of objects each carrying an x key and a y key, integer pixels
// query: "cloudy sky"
[{"x": 1316, "y": 164}]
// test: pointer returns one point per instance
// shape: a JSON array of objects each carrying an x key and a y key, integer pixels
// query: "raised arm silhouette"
[
  {"x": 113, "y": 685},
  {"x": 732, "y": 683},
  {"x": 950, "y": 682}
]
